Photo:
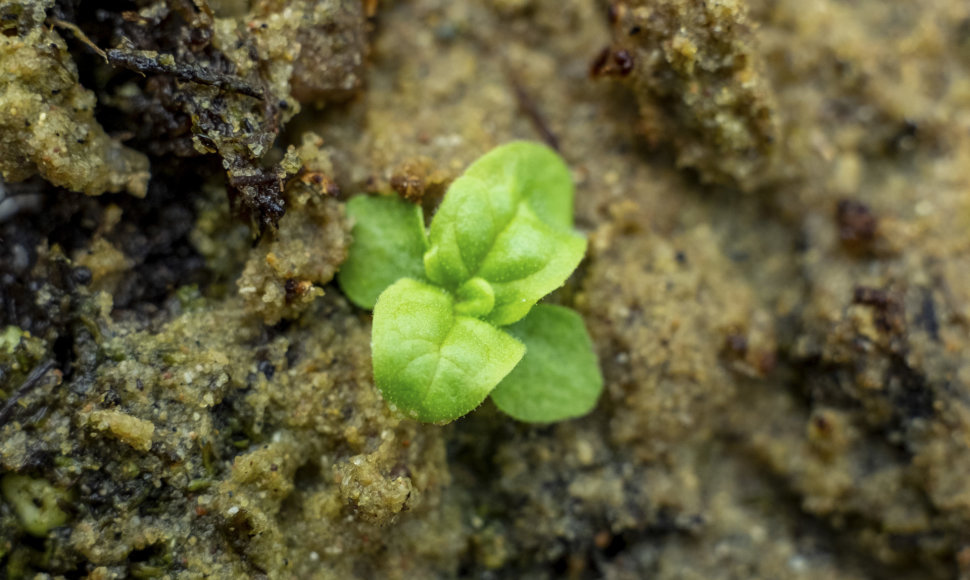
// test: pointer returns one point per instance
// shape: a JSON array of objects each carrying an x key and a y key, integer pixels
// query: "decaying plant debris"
[
  {"x": 775, "y": 197},
  {"x": 202, "y": 85}
]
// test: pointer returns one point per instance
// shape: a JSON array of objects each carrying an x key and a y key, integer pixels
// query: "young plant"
[{"x": 455, "y": 313}]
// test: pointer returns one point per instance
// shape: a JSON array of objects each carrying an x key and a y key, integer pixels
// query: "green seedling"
[{"x": 456, "y": 317}]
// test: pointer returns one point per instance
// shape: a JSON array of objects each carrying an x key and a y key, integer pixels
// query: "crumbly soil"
[{"x": 778, "y": 289}]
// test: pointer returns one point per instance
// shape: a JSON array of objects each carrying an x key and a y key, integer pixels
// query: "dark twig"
[
  {"x": 150, "y": 62},
  {"x": 30, "y": 383},
  {"x": 147, "y": 62},
  {"x": 528, "y": 106}
]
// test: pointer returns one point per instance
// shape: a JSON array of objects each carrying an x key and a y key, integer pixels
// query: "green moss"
[
  {"x": 35, "y": 502},
  {"x": 189, "y": 297},
  {"x": 9, "y": 339}
]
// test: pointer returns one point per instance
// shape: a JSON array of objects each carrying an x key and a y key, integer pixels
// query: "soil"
[{"x": 777, "y": 287}]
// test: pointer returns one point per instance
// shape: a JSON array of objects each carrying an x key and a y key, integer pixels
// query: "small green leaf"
[
  {"x": 507, "y": 220},
  {"x": 476, "y": 298},
  {"x": 538, "y": 172},
  {"x": 530, "y": 260},
  {"x": 430, "y": 363},
  {"x": 559, "y": 377},
  {"x": 389, "y": 241}
]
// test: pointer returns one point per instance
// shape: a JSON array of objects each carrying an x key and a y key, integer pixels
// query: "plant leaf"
[
  {"x": 389, "y": 240},
  {"x": 530, "y": 260},
  {"x": 507, "y": 220},
  {"x": 559, "y": 376},
  {"x": 429, "y": 362},
  {"x": 538, "y": 172},
  {"x": 475, "y": 298}
]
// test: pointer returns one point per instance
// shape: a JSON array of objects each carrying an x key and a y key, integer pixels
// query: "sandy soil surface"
[{"x": 777, "y": 198}]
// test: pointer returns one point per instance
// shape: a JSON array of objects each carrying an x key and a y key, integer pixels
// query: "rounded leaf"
[
  {"x": 475, "y": 298},
  {"x": 430, "y": 363},
  {"x": 508, "y": 221},
  {"x": 559, "y": 376},
  {"x": 388, "y": 243},
  {"x": 537, "y": 172}
]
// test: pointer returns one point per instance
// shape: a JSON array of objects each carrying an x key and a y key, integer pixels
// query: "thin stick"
[
  {"x": 30, "y": 383},
  {"x": 80, "y": 36}
]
